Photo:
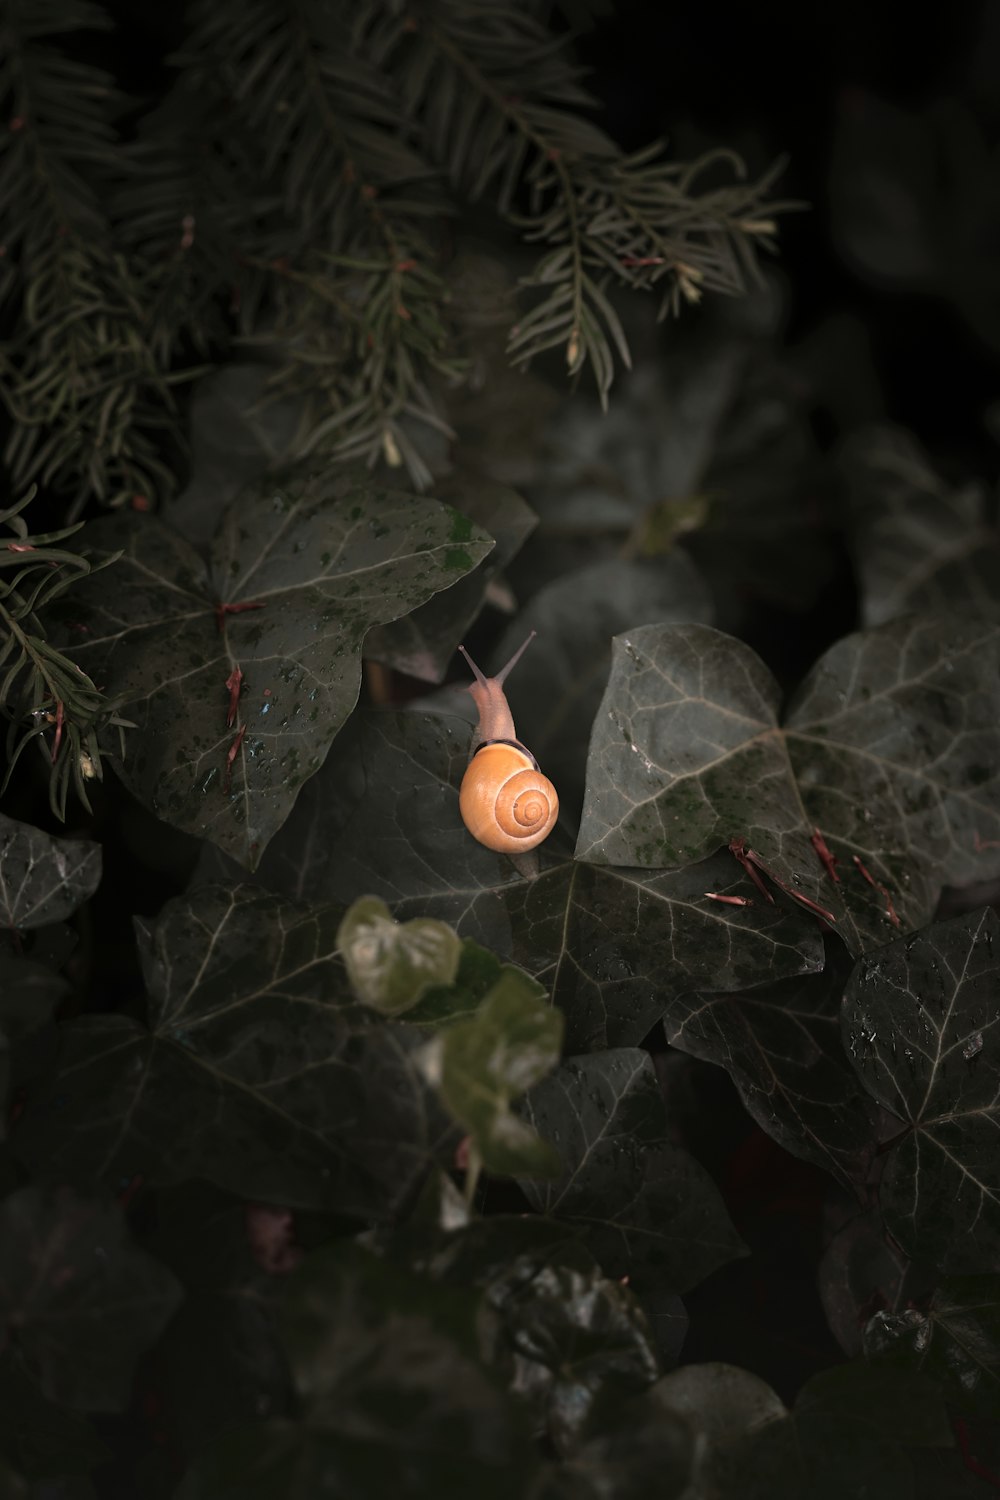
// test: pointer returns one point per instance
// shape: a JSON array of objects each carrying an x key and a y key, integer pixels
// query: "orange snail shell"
[{"x": 505, "y": 802}]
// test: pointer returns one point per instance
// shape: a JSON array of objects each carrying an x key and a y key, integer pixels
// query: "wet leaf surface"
[
  {"x": 298, "y": 573},
  {"x": 889, "y": 749}
]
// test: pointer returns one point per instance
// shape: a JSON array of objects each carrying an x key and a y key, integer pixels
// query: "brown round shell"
[{"x": 505, "y": 802}]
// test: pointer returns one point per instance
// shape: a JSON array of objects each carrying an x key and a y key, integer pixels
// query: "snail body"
[{"x": 505, "y": 801}]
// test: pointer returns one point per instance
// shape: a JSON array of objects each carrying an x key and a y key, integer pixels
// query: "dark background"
[{"x": 769, "y": 80}]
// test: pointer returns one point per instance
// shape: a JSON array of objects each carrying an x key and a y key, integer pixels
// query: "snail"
[{"x": 505, "y": 801}]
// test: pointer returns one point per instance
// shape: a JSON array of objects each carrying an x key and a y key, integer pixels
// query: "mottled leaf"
[
  {"x": 956, "y": 1341},
  {"x": 297, "y": 575},
  {"x": 80, "y": 1301},
  {"x": 889, "y": 750},
  {"x": 918, "y": 542},
  {"x": 485, "y": 1061},
  {"x": 639, "y": 1200},
  {"x": 392, "y": 965},
  {"x": 43, "y": 879},
  {"x": 780, "y": 1043},
  {"x": 921, "y": 1024},
  {"x": 610, "y": 945},
  {"x": 256, "y": 1070},
  {"x": 423, "y": 642}
]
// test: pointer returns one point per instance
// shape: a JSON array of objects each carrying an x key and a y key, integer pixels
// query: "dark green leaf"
[
  {"x": 479, "y": 971},
  {"x": 487, "y": 1060},
  {"x": 640, "y": 1201},
  {"x": 956, "y": 1342},
  {"x": 556, "y": 690},
  {"x": 43, "y": 879},
  {"x": 921, "y": 1025},
  {"x": 587, "y": 1334},
  {"x": 298, "y": 574},
  {"x": 780, "y": 1043},
  {"x": 392, "y": 965},
  {"x": 889, "y": 750},
  {"x": 423, "y": 643},
  {"x": 397, "y": 1400},
  {"x": 79, "y": 1300},
  {"x": 256, "y": 1073},
  {"x": 863, "y": 1268},
  {"x": 611, "y": 945}
]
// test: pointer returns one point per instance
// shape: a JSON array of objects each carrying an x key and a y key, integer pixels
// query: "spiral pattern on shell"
[{"x": 505, "y": 802}]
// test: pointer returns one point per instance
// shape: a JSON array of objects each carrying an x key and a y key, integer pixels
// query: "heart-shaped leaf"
[
  {"x": 641, "y": 1202},
  {"x": 921, "y": 1025},
  {"x": 888, "y": 759},
  {"x": 918, "y": 542},
  {"x": 257, "y": 1071},
  {"x": 240, "y": 671},
  {"x": 43, "y": 879},
  {"x": 483, "y": 1062},
  {"x": 780, "y": 1043},
  {"x": 82, "y": 1301},
  {"x": 392, "y": 965},
  {"x": 610, "y": 945}
]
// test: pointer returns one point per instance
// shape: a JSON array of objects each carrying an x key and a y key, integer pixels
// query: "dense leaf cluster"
[
  {"x": 404, "y": 1197},
  {"x": 297, "y": 184},
  {"x": 342, "y": 1156}
]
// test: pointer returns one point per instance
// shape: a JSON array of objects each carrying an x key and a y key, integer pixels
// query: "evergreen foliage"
[{"x": 300, "y": 185}]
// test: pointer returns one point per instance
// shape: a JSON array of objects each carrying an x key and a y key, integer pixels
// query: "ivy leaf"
[
  {"x": 918, "y": 543},
  {"x": 484, "y": 1062},
  {"x": 956, "y": 1342},
  {"x": 297, "y": 575},
  {"x": 780, "y": 1044},
  {"x": 711, "y": 439},
  {"x": 639, "y": 1201},
  {"x": 587, "y": 1333},
  {"x": 396, "y": 1400},
  {"x": 863, "y": 1268},
  {"x": 423, "y": 642},
  {"x": 43, "y": 879},
  {"x": 81, "y": 1302},
  {"x": 479, "y": 972},
  {"x": 256, "y": 1071},
  {"x": 392, "y": 965},
  {"x": 556, "y": 691},
  {"x": 920, "y": 1023},
  {"x": 848, "y": 1434},
  {"x": 611, "y": 945},
  {"x": 889, "y": 749}
]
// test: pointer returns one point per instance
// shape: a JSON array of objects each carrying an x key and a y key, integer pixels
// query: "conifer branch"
[{"x": 47, "y": 699}]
